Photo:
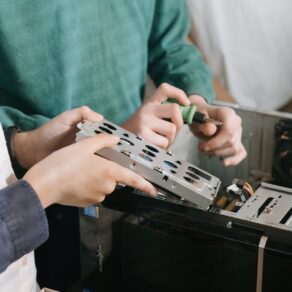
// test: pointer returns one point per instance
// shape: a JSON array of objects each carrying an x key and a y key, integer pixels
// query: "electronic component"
[
  {"x": 232, "y": 197},
  {"x": 160, "y": 167},
  {"x": 269, "y": 205}
]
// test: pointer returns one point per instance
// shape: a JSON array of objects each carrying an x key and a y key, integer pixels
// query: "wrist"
[
  {"x": 22, "y": 149},
  {"x": 40, "y": 188},
  {"x": 10, "y": 134}
]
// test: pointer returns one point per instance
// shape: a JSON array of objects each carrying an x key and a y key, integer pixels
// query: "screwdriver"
[{"x": 190, "y": 114}]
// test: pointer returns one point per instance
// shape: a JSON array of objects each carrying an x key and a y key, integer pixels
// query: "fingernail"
[
  {"x": 154, "y": 193},
  {"x": 206, "y": 148}
]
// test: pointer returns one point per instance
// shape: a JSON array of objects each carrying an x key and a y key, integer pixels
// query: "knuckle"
[
  {"x": 164, "y": 143},
  {"x": 229, "y": 111},
  {"x": 110, "y": 187},
  {"x": 100, "y": 198},
  {"x": 146, "y": 110},
  {"x": 172, "y": 129},
  {"x": 143, "y": 110},
  {"x": 239, "y": 120},
  {"x": 210, "y": 146},
  {"x": 84, "y": 108},
  {"x": 134, "y": 180},
  {"x": 103, "y": 136},
  {"x": 233, "y": 140},
  {"x": 175, "y": 109},
  {"x": 143, "y": 132},
  {"x": 176, "y": 114},
  {"x": 229, "y": 133},
  {"x": 181, "y": 92},
  {"x": 107, "y": 171},
  {"x": 234, "y": 149},
  {"x": 164, "y": 86}
]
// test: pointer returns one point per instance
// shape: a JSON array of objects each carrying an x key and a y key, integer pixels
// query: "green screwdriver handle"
[{"x": 187, "y": 112}]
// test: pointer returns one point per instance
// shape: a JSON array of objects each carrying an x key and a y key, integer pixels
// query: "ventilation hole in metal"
[
  {"x": 127, "y": 141},
  {"x": 126, "y": 135},
  {"x": 192, "y": 175},
  {"x": 178, "y": 162},
  {"x": 97, "y": 132},
  {"x": 190, "y": 180},
  {"x": 149, "y": 153},
  {"x": 146, "y": 157},
  {"x": 109, "y": 126},
  {"x": 105, "y": 130},
  {"x": 151, "y": 148},
  {"x": 169, "y": 164},
  {"x": 199, "y": 173}
]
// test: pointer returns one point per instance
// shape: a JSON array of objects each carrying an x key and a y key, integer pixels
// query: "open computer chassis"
[{"x": 252, "y": 229}]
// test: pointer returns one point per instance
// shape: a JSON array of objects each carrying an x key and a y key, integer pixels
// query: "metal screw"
[{"x": 229, "y": 225}]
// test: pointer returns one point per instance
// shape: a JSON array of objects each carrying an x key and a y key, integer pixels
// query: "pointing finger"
[
  {"x": 166, "y": 91},
  {"x": 98, "y": 142},
  {"x": 130, "y": 178}
]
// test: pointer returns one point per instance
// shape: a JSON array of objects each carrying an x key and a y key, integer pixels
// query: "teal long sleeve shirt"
[{"x": 59, "y": 54}]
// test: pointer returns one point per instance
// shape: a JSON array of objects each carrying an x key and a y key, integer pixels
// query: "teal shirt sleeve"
[
  {"x": 10, "y": 116},
  {"x": 171, "y": 58}
]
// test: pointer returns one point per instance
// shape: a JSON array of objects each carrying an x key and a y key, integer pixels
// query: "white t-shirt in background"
[{"x": 248, "y": 45}]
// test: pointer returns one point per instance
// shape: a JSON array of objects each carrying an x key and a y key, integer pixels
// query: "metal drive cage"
[{"x": 161, "y": 167}]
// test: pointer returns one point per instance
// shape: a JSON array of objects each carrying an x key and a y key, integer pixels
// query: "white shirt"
[
  {"x": 248, "y": 45},
  {"x": 20, "y": 276}
]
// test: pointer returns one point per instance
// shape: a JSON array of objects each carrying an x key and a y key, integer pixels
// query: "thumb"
[
  {"x": 98, "y": 142},
  {"x": 74, "y": 116},
  {"x": 207, "y": 129},
  {"x": 166, "y": 91}
]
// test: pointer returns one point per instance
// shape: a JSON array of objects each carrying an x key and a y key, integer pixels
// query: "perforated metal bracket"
[{"x": 155, "y": 164}]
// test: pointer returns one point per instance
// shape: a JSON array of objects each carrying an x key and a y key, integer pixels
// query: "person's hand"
[
  {"x": 75, "y": 176},
  {"x": 31, "y": 147},
  {"x": 224, "y": 142},
  {"x": 156, "y": 122}
]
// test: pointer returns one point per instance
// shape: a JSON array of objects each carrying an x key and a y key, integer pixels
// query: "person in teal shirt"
[{"x": 61, "y": 54}]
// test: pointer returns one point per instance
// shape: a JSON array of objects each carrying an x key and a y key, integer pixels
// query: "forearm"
[
  {"x": 23, "y": 223},
  {"x": 13, "y": 117}
]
